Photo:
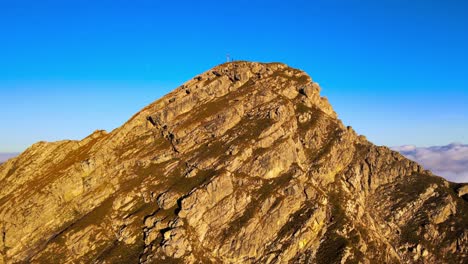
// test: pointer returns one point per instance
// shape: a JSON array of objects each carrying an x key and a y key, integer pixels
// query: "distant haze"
[
  {"x": 450, "y": 161},
  {"x": 6, "y": 156}
]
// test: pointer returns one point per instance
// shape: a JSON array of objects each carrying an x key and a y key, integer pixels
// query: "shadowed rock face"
[{"x": 246, "y": 163}]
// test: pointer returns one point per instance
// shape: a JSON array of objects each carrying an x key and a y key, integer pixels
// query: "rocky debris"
[{"x": 245, "y": 163}]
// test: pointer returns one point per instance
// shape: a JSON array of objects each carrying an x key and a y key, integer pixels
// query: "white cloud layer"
[{"x": 450, "y": 162}]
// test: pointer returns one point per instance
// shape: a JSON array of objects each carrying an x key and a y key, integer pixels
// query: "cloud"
[
  {"x": 6, "y": 156},
  {"x": 450, "y": 162}
]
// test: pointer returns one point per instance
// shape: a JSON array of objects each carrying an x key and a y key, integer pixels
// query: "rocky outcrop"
[{"x": 245, "y": 163}]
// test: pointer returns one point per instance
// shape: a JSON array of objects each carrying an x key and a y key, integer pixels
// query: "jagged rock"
[
  {"x": 167, "y": 200},
  {"x": 245, "y": 163}
]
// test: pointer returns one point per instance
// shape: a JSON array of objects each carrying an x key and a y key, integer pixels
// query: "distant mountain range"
[
  {"x": 6, "y": 156},
  {"x": 450, "y": 161}
]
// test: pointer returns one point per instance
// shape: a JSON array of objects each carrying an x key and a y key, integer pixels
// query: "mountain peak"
[
  {"x": 245, "y": 162},
  {"x": 241, "y": 78}
]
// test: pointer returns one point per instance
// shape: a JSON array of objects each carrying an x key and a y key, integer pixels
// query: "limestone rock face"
[{"x": 245, "y": 163}]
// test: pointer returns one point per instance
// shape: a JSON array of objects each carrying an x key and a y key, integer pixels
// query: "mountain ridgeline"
[{"x": 245, "y": 163}]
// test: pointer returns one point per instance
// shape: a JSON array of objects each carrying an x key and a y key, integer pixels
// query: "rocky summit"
[{"x": 245, "y": 163}]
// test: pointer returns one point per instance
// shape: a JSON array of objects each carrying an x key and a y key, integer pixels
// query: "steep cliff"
[{"x": 245, "y": 163}]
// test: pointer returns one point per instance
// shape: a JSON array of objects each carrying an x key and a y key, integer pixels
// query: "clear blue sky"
[{"x": 396, "y": 70}]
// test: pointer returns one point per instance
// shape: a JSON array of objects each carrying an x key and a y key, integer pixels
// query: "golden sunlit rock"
[{"x": 245, "y": 163}]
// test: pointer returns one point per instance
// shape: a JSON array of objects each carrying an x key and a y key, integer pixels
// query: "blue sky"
[{"x": 397, "y": 71}]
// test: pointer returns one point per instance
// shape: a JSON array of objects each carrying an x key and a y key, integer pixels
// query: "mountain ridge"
[
  {"x": 244, "y": 163},
  {"x": 4, "y": 156}
]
